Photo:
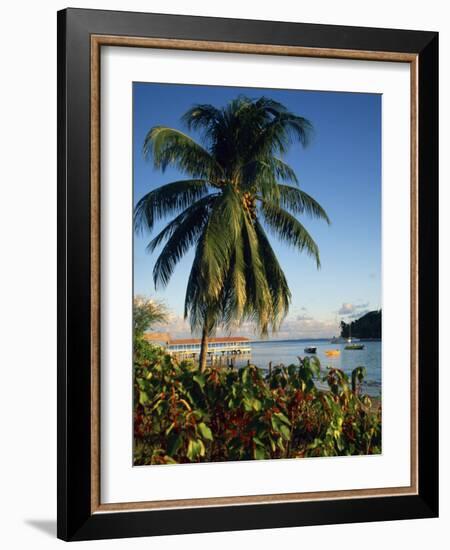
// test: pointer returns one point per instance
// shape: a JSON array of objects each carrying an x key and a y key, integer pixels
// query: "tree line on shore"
[{"x": 367, "y": 326}]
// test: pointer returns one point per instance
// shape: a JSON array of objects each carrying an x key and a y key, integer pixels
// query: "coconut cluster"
[{"x": 250, "y": 204}]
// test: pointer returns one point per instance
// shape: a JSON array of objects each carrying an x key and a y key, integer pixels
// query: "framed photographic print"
[{"x": 247, "y": 274}]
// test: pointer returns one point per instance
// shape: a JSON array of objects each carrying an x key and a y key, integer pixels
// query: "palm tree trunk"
[{"x": 204, "y": 348}]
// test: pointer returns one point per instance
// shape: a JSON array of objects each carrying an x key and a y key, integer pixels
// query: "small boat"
[
  {"x": 351, "y": 341},
  {"x": 310, "y": 349},
  {"x": 354, "y": 346},
  {"x": 332, "y": 352}
]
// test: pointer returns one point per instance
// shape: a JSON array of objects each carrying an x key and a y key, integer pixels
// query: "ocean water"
[{"x": 288, "y": 351}]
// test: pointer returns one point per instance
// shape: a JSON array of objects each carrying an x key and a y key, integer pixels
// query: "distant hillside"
[{"x": 367, "y": 326}]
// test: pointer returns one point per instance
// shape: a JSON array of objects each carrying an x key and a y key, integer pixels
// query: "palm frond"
[
  {"x": 259, "y": 307},
  {"x": 221, "y": 232},
  {"x": 167, "y": 200},
  {"x": 202, "y": 117},
  {"x": 214, "y": 250},
  {"x": 279, "y": 134},
  {"x": 299, "y": 202},
  {"x": 170, "y": 147},
  {"x": 262, "y": 175},
  {"x": 196, "y": 211},
  {"x": 283, "y": 171},
  {"x": 270, "y": 106},
  {"x": 258, "y": 176},
  {"x": 181, "y": 234},
  {"x": 278, "y": 285},
  {"x": 234, "y": 296},
  {"x": 289, "y": 229},
  {"x": 195, "y": 302}
]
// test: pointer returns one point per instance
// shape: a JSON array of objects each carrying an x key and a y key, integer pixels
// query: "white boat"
[{"x": 338, "y": 340}]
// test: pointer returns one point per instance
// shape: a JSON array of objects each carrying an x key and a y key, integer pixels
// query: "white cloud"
[
  {"x": 355, "y": 309},
  {"x": 301, "y": 326},
  {"x": 177, "y": 327},
  {"x": 307, "y": 328},
  {"x": 304, "y": 318},
  {"x": 346, "y": 309}
]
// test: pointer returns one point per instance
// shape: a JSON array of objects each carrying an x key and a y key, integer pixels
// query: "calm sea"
[{"x": 287, "y": 352}]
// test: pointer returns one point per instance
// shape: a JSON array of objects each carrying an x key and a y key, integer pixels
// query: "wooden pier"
[{"x": 218, "y": 348}]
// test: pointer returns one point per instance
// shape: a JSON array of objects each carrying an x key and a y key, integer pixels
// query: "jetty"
[{"x": 190, "y": 347}]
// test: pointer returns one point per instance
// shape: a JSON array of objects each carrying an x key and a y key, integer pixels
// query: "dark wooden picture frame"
[{"x": 81, "y": 34}]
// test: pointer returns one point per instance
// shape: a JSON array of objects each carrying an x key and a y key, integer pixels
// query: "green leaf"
[
  {"x": 174, "y": 443},
  {"x": 259, "y": 453},
  {"x": 283, "y": 418},
  {"x": 200, "y": 379},
  {"x": 170, "y": 428},
  {"x": 143, "y": 398},
  {"x": 275, "y": 423},
  {"x": 248, "y": 404},
  {"x": 195, "y": 449},
  {"x": 272, "y": 444},
  {"x": 256, "y": 404},
  {"x": 205, "y": 431},
  {"x": 285, "y": 432},
  {"x": 201, "y": 447},
  {"x": 156, "y": 405},
  {"x": 245, "y": 375},
  {"x": 191, "y": 450}
]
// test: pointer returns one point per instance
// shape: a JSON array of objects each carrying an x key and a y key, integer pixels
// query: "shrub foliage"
[{"x": 183, "y": 415}]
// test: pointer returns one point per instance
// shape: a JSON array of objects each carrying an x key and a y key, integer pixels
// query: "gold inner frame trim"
[{"x": 97, "y": 41}]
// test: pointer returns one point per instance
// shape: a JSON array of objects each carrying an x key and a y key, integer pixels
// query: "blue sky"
[{"x": 341, "y": 168}]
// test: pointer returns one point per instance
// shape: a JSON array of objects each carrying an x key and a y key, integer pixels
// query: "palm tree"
[{"x": 238, "y": 189}]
